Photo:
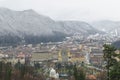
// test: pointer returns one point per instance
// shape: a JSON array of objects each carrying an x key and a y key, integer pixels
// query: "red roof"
[{"x": 91, "y": 77}]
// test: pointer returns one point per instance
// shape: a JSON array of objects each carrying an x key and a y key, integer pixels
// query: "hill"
[{"x": 31, "y": 27}]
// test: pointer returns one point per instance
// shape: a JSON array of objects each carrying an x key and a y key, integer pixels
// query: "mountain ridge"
[
  {"x": 108, "y": 26},
  {"x": 34, "y": 27}
]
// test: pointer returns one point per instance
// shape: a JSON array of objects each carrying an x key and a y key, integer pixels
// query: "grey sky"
[{"x": 85, "y": 10}]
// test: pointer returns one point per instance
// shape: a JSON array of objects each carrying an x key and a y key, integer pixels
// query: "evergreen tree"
[
  {"x": 75, "y": 73},
  {"x": 112, "y": 65},
  {"x": 115, "y": 72},
  {"x": 8, "y": 70},
  {"x": 79, "y": 73},
  {"x": 1, "y": 69}
]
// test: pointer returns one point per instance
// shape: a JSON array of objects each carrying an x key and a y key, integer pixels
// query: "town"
[{"x": 56, "y": 59}]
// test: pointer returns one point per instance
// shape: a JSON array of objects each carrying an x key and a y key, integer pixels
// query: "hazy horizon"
[{"x": 82, "y": 10}]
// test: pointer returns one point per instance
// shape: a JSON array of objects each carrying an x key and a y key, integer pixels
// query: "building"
[{"x": 96, "y": 57}]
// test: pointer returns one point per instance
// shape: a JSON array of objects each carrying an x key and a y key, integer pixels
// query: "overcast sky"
[{"x": 83, "y": 10}]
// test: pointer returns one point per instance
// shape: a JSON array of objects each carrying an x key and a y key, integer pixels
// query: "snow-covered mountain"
[
  {"x": 32, "y": 27},
  {"x": 107, "y": 26},
  {"x": 27, "y": 22},
  {"x": 77, "y": 27}
]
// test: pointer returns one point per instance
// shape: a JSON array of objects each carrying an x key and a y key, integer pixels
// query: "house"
[{"x": 96, "y": 56}]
